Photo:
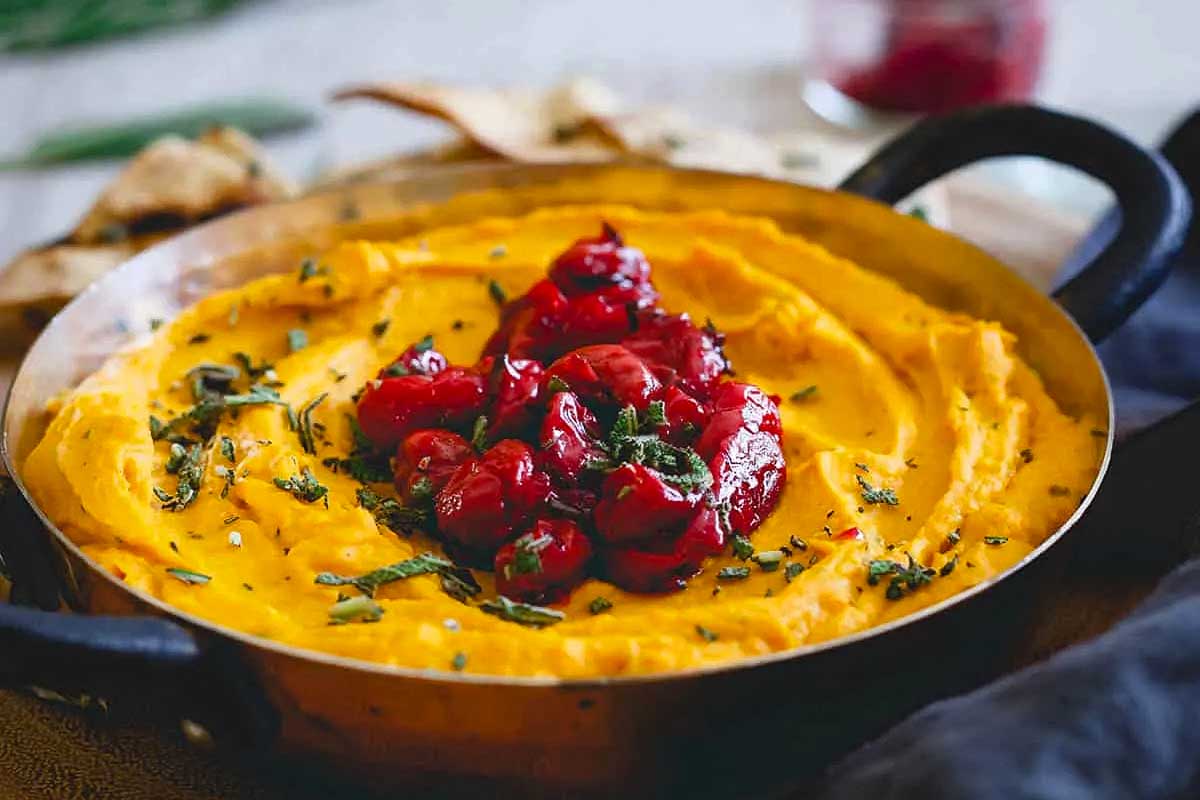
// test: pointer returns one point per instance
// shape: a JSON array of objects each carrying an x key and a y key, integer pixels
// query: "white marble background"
[{"x": 1134, "y": 63}]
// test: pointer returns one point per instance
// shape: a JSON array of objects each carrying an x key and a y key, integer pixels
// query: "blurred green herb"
[{"x": 259, "y": 116}]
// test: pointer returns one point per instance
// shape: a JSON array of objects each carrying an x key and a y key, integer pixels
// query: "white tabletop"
[{"x": 1134, "y": 64}]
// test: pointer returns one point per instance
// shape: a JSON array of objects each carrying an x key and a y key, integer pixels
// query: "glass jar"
[{"x": 925, "y": 56}]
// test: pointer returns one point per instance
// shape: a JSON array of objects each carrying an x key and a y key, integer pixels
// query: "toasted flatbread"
[
  {"x": 175, "y": 182},
  {"x": 171, "y": 184},
  {"x": 535, "y": 127}
]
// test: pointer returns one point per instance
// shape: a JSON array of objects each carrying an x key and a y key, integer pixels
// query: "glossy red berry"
[
  {"x": 595, "y": 263},
  {"x": 418, "y": 358},
  {"x": 513, "y": 389},
  {"x": 686, "y": 416},
  {"x": 748, "y": 473},
  {"x": 677, "y": 351},
  {"x": 570, "y": 439},
  {"x": 637, "y": 504},
  {"x": 666, "y": 566},
  {"x": 426, "y": 460},
  {"x": 392, "y": 408},
  {"x": 606, "y": 374},
  {"x": 489, "y": 498},
  {"x": 528, "y": 323},
  {"x": 737, "y": 406},
  {"x": 544, "y": 563},
  {"x": 635, "y": 569}
]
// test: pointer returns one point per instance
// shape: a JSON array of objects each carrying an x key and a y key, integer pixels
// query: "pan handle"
[
  {"x": 1154, "y": 204},
  {"x": 122, "y": 656}
]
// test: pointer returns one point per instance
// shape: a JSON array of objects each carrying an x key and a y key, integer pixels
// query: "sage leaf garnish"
[{"x": 522, "y": 613}]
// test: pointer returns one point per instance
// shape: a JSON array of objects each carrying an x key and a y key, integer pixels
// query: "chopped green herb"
[
  {"x": 742, "y": 548},
  {"x": 792, "y": 571},
  {"x": 424, "y": 564},
  {"x": 672, "y": 141},
  {"x": 155, "y": 323},
  {"x": 499, "y": 251},
  {"x": 599, "y": 605},
  {"x": 226, "y": 474},
  {"x": 872, "y": 496},
  {"x": 227, "y": 449},
  {"x": 733, "y": 573},
  {"x": 798, "y": 543},
  {"x": 527, "y": 559},
  {"x": 459, "y": 662},
  {"x": 768, "y": 560},
  {"x": 309, "y": 269},
  {"x": 363, "y": 463},
  {"x": 949, "y": 566},
  {"x": 910, "y": 462},
  {"x": 297, "y": 340},
  {"x": 1027, "y": 455},
  {"x": 459, "y": 583},
  {"x": 304, "y": 487},
  {"x": 479, "y": 437},
  {"x": 905, "y": 578},
  {"x": 521, "y": 613},
  {"x": 803, "y": 394},
  {"x": 680, "y": 466},
  {"x": 995, "y": 541},
  {"x": 380, "y": 328},
  {"x": 953, "y": 537},
  {"x": 655, "y": 414},
  {"x": 421, "y": 490},
  {"x": 391, "y": 513},
  {"x": 308, "y": 442},
  {"x": 199, "y": 338},
  {"x": 208, "y": 380},
  {"x": 188, "y": 464},
  {"x": 188, "y": 576},
  {"x": 359, "y": 608},
  {"x": 247, "y": 364},
  {"x": 918, "y": 212},
  {"x": 706, "y": 634},
  {"x": 497, "y": 293},
  {"x": 556, "y": 385},
  {"x": 203, "y": 417}
]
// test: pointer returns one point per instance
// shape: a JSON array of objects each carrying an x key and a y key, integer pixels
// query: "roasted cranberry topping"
[
  {"x": 543, "y": 563},
  {"x": 599, "y": 262},
  {"x": 597, "y": 421},
  {"x": 490, "y": 497},
  {"x": 513, "y": 389},
  {"x": 426, "y": 460},
  {"x": 636, "y": 502},
  {"x": 748, "y": 474},
  {"x": 570, "y": 438},
  {"x": 677, "y": 351},
  {"x": 391, "y": 408},
  {"x": 606, "y": 374},
  {"x": 418, "y": 358},
  {"x": 737, "y": 406}
]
